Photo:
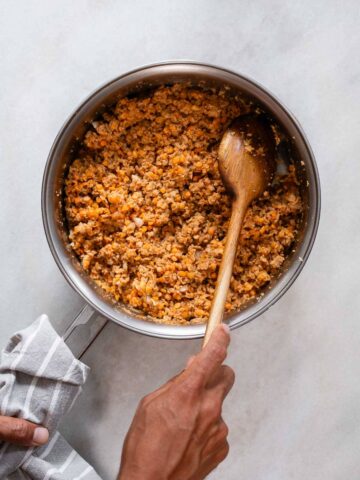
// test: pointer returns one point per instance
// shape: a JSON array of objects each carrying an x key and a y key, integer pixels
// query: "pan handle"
[{"x": 83, "y": 330}]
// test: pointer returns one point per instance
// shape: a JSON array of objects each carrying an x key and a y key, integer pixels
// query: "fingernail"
[
  {"x": 226, "y": 327},
  {"x": 41, "y": 436}
]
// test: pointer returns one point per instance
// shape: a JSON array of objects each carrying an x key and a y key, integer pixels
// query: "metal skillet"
[{"x": 295, "y": 149}]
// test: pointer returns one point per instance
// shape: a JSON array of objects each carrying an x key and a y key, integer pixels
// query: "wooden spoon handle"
[{"x": 225, "y": 271}]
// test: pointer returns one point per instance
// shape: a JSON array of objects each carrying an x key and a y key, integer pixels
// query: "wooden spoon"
[{"x": 247, "y": 165}]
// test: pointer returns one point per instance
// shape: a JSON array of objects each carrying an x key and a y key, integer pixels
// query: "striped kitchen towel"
[{"x": 40, "y": 380}]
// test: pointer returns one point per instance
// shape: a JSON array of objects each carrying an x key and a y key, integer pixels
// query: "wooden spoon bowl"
[{"x": 246, "y": 157}]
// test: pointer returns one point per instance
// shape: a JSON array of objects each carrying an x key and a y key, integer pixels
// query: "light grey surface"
[{"x": 295, "y": 410}]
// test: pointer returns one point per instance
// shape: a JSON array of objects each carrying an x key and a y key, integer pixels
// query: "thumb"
[
  {"x": 214, "y": 353},
  {"x": 21, "y": 432}
]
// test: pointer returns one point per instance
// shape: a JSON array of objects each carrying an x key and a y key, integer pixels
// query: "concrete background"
[{"x": 294, "y": 412}]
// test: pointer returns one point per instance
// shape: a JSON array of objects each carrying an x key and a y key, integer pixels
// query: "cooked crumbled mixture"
[{"x": 148, "y": 213}]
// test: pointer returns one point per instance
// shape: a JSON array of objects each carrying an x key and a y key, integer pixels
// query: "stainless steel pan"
[{"x": 296, "y": 149}]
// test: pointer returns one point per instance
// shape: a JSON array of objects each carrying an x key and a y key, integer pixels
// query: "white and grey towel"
[{"x": 40, "y": 380}]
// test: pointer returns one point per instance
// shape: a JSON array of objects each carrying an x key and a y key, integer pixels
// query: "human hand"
[
  {"x": 21, "y": 432},
  {"x": 178, "y": 432}
]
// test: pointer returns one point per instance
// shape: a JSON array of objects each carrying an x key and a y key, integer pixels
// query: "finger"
[
  {"x": 21, "y": 432},
  {"x": 190, "y": 361},
  {"x": 211, "y": 431},
  {"x": 213, "y": 355},
  {"x": 214, "y": 460},
  {"x": 217, "y": 439},
  {"x": 222, "y": 453},
  {"x": 218, "y": 376},
  {"x": 222, "y": 382},
  {"x": 219, "y": 454}
]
